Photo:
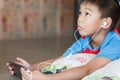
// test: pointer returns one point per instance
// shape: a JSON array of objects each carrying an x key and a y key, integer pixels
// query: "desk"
[{"x": 7, "y": 76}]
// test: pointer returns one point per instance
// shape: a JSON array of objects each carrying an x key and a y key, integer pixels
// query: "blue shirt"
[{"x": 108, "y": 49}]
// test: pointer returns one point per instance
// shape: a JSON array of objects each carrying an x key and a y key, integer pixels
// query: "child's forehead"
[{"x": 89, "y": 6}]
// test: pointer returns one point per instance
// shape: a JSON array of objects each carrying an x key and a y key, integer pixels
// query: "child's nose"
[{"x": 80, "y": 19}]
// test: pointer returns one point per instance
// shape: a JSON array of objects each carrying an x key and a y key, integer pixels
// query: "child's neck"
[
  {"x": 98, "y": 39},
  {"x": 96, "y": 43}
]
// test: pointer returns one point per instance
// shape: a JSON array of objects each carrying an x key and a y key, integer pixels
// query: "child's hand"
[
  {"x": 35, "y": 75},
  {"x": 26, "y": 75},
  {"x": 22, "y": 62},
  {"x": 18, "y": 61},
  {"x": 10, "y": 68}
]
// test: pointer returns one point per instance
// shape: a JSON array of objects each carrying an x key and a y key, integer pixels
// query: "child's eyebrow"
[{"x": 89, "y": 9}]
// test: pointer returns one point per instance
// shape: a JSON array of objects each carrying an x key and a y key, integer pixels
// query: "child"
[{"x": 96, "y": 24}]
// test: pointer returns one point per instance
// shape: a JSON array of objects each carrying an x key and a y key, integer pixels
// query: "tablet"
[{"x": 16, "y": 68}]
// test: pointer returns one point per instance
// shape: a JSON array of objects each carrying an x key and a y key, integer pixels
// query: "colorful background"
[{"x": 21, "y": 19}]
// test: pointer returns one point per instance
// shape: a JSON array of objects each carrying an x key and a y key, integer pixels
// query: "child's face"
[{"x": 89, "y": 19}]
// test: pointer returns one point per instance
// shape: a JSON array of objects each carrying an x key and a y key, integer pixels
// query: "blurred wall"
[{"x": 36, "y": 18}]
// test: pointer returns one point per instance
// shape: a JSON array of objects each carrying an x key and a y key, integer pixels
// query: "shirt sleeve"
[
  {"x": 75, "y": 48},
  {"x": 111, "y": 52}
]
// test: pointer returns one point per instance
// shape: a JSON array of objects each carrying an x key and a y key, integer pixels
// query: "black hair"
[{"x": 108, "y": 8}]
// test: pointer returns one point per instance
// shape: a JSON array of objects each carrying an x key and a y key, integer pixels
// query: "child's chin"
[{"x": 83, "y": 34}]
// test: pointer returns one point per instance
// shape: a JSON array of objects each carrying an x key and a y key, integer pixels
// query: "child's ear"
[{"x": 106, "y": 23}]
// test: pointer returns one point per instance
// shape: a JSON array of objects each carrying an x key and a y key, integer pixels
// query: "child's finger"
[
  {"x": 20, "y": 60},
  {"x": 7, "y": 63},
  {"x": 23, "y": 78},
  {"x": 23, "y": 62},
  {"x": 25, "y": 75}
]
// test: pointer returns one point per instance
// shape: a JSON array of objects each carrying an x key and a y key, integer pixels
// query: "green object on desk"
[{"x": 52, "y": 69}]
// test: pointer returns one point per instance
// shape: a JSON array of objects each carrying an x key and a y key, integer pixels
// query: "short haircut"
[{"x": 108, "y": 8}]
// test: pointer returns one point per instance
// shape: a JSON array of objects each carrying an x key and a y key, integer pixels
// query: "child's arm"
[
  {"x": 41, "y": 65},
  {"x": 75, "y": 73}
]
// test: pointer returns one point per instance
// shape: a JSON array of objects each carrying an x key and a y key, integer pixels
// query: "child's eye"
[
  {"x": 79, "y": 12},
  {"x": 87, "y": 14}
]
